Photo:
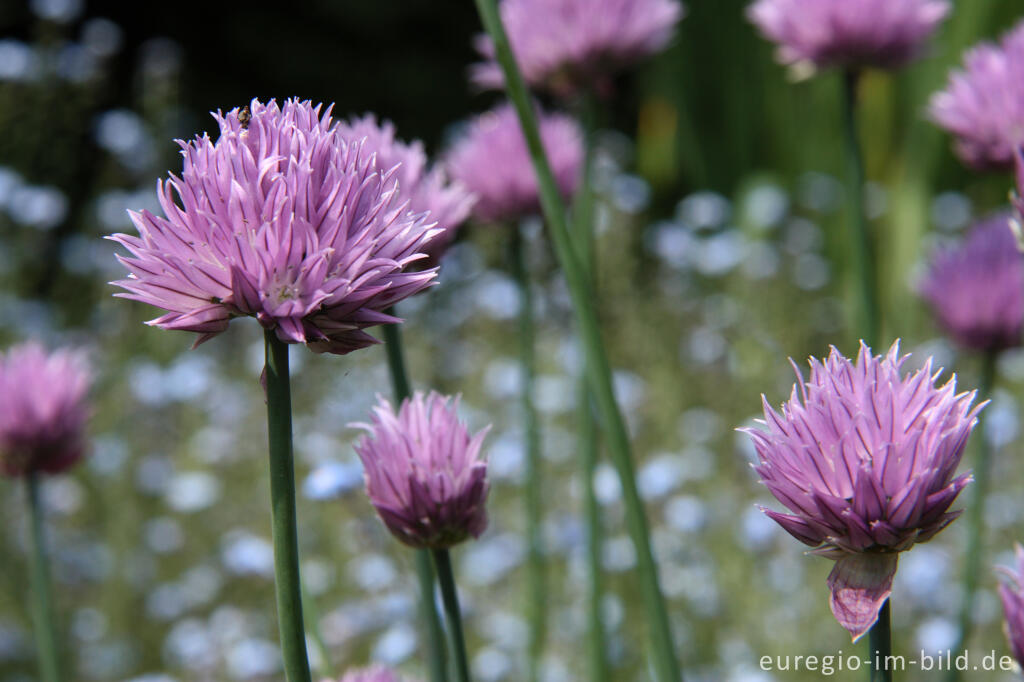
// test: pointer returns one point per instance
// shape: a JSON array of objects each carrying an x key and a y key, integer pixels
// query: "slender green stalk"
[
  {"x": 282, "y": 499},
  {"x": 436, "y": 658},
  {"x": 867, "y": 318},
  {"x": 976, "y": 518},
  {"x": 598, "y": 368},
  {"x": 880, "y": 646},
  {"x": 312, "y": 614},
  {"x": 583, "y": 219},
  {"x": 456, "y": 640},
  {"x": 534, "y": 497},
  {"x": 47, "y": 650}
]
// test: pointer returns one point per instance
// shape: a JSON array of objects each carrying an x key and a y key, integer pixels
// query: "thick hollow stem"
[
  {"x": 47, "y": 650},
  {"x": 880, "y": 646},
  {"x": 436, "y": 657},
  {"x": 598, "y": 369},
  {"x": 282, "y": 500},
  {"x": 976, "y": 519},
  {"x": 450, "y": 598},
  {"x": 867, "y": 319},
  {"x": 533, "y": 497}
]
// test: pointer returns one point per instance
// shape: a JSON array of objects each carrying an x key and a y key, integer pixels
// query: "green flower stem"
[
  {"x": 312, "y": 615},
  {"x": 867, "y": 318},
  {"x": 976, "y": 518},
  {"x": 47, "y": 649},
  {"x": 583, "y": 219},
  {"x": 446, "y": 578},
  {"x": 436, "y": 657},
  {"x": 880, "y": 646},
  {"x": 533, "y": 498},
  {"x": 282, "y": 499},
  {"x": 598, "y": 368}
]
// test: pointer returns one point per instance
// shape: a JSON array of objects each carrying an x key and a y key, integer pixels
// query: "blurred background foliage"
[{"x": 721, "y": 253}]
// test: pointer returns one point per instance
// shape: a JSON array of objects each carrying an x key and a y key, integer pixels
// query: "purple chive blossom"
[
  {"x": 283, "y": 220},
  {"x": 865, "y": 461},
  {"x": 983, "y": 104},
  {"x": 492, "y": 160},
  {"x": 424, "y": 473},
  {"x": 977, "y": 290},
  {"x": 428, "y": 189},
  {"x": 1012, "y": 594},
  {"x": 848, "y": 33},
  {"x": 566, "y": 45},
  {"x": 43, "y": 410},
  {"x": 376, "y": 673}
]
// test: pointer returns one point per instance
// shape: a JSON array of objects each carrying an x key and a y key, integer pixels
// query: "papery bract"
[
  {"x": 848, "y": 33},
  {"x": 865, "y": 460},
  {"x": 43, "y": 410},
  {"x": 375, "y": 673},
  {"x": 493, "y": 161},
  {"x": 281, "y": 219},
  {"x": 424, "y": 473}
]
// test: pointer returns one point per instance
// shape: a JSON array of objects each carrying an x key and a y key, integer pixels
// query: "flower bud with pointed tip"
[
  {"x": 424, "y": 473},
  {"x": 865, "y": 460}
]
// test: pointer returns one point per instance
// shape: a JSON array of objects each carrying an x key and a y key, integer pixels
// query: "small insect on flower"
[{"x": 865, "y": 460}]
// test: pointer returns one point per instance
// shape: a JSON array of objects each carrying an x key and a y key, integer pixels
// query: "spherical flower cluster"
[
  {"x": 566, "y": 45},
  {"x": 977, "y": 290},
  {"x": 424, "y": 473},
  {"x": 376, "y": 673},
  {"x": 43, "y": 410},
  {"x": 426, "y": 188},
  {"x": 848, "y": 33},
  {"x": 493, "y": 161},
  {"x": 865, "y": 460},
  {"x": 1012, "y": 595},
  {"x": 281, "y": 219},
  {"x": 983, "y": 103}
]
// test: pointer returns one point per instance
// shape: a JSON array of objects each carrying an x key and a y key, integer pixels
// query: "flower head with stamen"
[
  {"x": 283, "y": 220},
  {"x": 865, "y": 460}
]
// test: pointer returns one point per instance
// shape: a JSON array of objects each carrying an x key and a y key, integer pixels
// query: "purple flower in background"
[
  {"x": 1012, "y": 594},
  {"x": 427, "y": 189},
  {"x": 492, "y": 160},
  {"x": 977, "y": 290},
  {"x": 848, "y": 33},
  {"x": 565, "y": 45},
  {"x": 983, "y": 104},
  {"x": 865, "y": 460},
  {"x": 43, "y": 410},
  {"x": 424, "y": 474},
  {"x": 376, "y": 673},
  {"x": 281, "y": 219}
]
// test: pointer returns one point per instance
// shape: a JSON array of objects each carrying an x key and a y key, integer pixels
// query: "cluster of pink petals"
[
  {"x": 977, "y": 290},
  {"x": 566, "y": 45},
  {"x": 848, "y": 33},
  {"x": 493, "y": 161},
  {"x": 983, "y": 103},
  {"x": 424, "y": 473},
  {"x": 1012, "y": 594},
  {"x": 284, "y": 220},
  {"x": 427, "y": 189},
  {"x": 375, "y": 673},
  {"x": 43, "y": 410},
  {"x": 865, "y": 460}
]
